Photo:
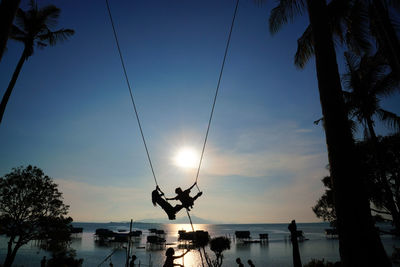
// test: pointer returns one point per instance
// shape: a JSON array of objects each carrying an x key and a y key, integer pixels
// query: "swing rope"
[
  {"x": 216, "y": 92},
  {"x": 134, "y": 104},
  {"x": 131, "y": 94},
  {"x": 191, "y": 223},
  {"x": 212, "y": 113},
  {"x": 137, "y": 113}
]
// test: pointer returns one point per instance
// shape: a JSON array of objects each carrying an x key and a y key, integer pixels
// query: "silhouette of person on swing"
[
  {"x": 156, "y": 197},
  {"x": 185, "y": 198}
]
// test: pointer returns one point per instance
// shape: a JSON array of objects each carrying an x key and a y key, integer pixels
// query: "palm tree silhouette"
[
  {"x": 353, "y": 22},
  {"x": 347, "y": 20},
  {"x": 359, "y": 243},
  {"x": 367, "y": 81},
  {"x": 33, "y": 29},
  {"x": 385, "y": 33}
]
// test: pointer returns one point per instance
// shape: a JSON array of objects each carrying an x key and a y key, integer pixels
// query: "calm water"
[{"x": 277, "y": 252}]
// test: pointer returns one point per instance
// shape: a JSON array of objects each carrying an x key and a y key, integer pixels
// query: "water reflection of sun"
[
  {"x": 174, "y": 228},
  {"x": 193, "y": 258}
]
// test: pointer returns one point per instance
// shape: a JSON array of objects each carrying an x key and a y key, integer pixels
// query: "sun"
[{"x": 186, "y": 158}]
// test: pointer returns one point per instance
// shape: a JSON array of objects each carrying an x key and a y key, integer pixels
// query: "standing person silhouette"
[
  {"x": 250, "y": 262},
  {"x": 239, "y": 262},
  {"x": 169, "y": 261},
  {"x": 132, "y": 263},
  {"x": 43, "y": 262},
  {"x": 185, "y": 198}
]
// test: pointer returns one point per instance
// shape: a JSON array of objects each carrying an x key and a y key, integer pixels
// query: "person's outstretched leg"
[{"x": 177, "y": 208}]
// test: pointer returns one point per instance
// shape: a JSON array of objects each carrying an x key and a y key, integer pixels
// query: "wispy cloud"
[{"x": 266, "y": 151}]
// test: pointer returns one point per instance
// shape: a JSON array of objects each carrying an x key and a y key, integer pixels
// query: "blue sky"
[{"x": 70, "y": 112}]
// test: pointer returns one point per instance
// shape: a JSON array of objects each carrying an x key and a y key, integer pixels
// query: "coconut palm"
[
  {"x": 383, "y": 30},
  {"x": 353, "y": 23},
  {"x": 346, "y": 18},
  {"x": 359, "y": 243},
  {"x": 33, "y": 28},
  {"x": 367, "y": 81}
]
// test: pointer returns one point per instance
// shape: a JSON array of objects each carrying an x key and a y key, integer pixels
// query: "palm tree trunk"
[
  {"x": 359, "y": 242},
  {"x": 10, "y": 87},
  {"x": 387, "y": 37},
  {"x": 8, "y": 8},
  {"x": 391, "y": 205}
]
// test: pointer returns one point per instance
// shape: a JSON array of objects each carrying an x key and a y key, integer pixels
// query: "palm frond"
[
  {"x": 41, "y": 45},
  {"x": 32, "y": 4},
  {"x": 316, "y": 122},
  {"x": 21, "y": 19},
  {"x": 352, "y": 61},
  {"x": 366, "y": 133},
  {"x": 352, "y": 125},
  {"x": 305, "y": 48},
  {"x": 17, "y": 34},
  {"x": 395, "y": 21},
  {"x": 387, "y": 85},
  {"x": 351, "y": 79},
  {"x": 337, "y": 12},
  {"x": 348, "y": 99},
  {"x": 57, "y": 36},
  {"x": 395, "y": 4},
  {"x": 50, "y": 15},
  {"x": 284, "y": 12},
  {"x": 357, "y": 28},
  {"x": 390, "y": 118}
]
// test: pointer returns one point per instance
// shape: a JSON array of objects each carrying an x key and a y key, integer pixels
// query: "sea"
[{"x": 277, "y": 252}]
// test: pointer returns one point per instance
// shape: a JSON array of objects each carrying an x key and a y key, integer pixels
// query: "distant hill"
[{"x": 180, "y": 220}]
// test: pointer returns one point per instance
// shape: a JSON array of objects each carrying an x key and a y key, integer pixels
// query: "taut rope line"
[
  {"x": 130, "y": 92},
  {"x": 216, "y": 91}
]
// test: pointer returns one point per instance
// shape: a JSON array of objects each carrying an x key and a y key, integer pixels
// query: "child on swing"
[
  {"x": 185, "y": 198},
  {"x": 156, "y": 197},
  {"x": 169, "y": 261}
]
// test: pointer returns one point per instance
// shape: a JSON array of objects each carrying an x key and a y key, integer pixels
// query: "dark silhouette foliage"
[
  {"x": 375, "y": 185},
  {"x": 32, "y": 208},
  {"x": 218, "y": 245},
  {"x": 325, "y": 208}
]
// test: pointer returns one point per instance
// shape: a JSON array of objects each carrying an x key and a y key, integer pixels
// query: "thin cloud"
[{"x": 267, "y": 151}]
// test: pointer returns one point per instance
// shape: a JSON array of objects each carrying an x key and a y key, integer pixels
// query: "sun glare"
[{"x": 186, "y": 158}]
